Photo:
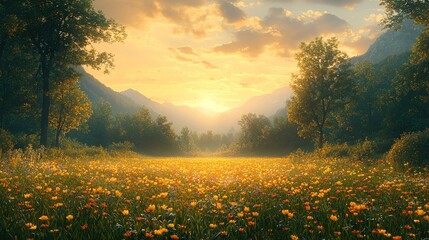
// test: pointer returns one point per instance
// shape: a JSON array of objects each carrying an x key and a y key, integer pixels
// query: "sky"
[{"x": 216, "y": 54}]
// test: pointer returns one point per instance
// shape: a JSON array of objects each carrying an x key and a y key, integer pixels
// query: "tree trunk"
[
  {"x": 321, "y": 138},
  {"x": 46, "y": 102},
  {"x": 59, "y": 127},
  {"x": 57, "y": 138},
  {"x": 2, "y": 47}
]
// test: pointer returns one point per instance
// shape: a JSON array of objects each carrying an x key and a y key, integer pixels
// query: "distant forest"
[{"x": 336, "y": 100}]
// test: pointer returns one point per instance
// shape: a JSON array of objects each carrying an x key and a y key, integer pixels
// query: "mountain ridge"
[{"x": 197, "y": 120}]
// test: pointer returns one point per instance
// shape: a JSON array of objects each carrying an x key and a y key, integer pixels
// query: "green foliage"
[
  {"x": 60, "y": 34},
  {"x": 410, "y": 111},
  {"x": 6, "y": 140},
  {"x": 364, "y": 151},
  {"x": 74, "y": 149},
  {"x": 186, "y": 142},
  {"x": 399, "y": 10},
  {"x": 321, "y": 87},
  {"x": 70, "y": 108},
  {"x": 23, "y": 140},
  {"x": 412, "y": 148},
  {"x": 121, "y": 146},
  {"x": 334, "y": 151},
  {"x": 100, "y": 125},
  {"x": 255, "y": 131}
]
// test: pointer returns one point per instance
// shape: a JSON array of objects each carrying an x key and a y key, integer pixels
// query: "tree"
[
  {"x": 412, "y": 83},
  {"x": 17, "y": 95},
  {"x": 186, "y": 142},
  {"x": 322, "y": 86},
  {"x": 255, "y": 131},
  {"x": 63, "y": 32},
  {"x": 100, "y": 124},
  {"x": 163, "y": 138},
  {"x": 70, "y": 109},
  {"x": 399, "y": 10}
]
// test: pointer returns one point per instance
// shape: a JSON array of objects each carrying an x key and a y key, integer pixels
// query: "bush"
[
  {"x": 24, "y": 140},
  {"x": 412, "y": 148},
  {"x": 298, "y": 157},
  {"x": 121, "y": 146},
  {"x": 364, "y": 151},
  {"x": 334, "y": 151},
  {"x": 75, "y": 149},
  {"x": 361, "y": 151}
]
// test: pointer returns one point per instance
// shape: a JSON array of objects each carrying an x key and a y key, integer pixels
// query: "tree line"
[{"x": 153, "y": 134}]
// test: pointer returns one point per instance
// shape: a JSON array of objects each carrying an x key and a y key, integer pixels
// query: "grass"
[{"x": 210, "y": 198}]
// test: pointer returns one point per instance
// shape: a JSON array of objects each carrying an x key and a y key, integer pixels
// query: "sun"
[{"x": 210, "y": 105}]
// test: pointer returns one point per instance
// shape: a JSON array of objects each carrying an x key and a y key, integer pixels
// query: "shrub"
[
  {"x": 24, "y": 140},
  {"x": 121, "y": 146},
  {"x": 363, "y": 151},
  {"x": 298, "y": 157},
  {"x": 412, "y": 148},
  {"x": 75, "y": 149},
  {"x": 335, "y": 151}
]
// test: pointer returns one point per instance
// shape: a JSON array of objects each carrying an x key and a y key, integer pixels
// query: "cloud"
[
  {"x": 247, "y": 42},
  {"x": 375, "y": 18},
  {"x": 361, "y": 39},
  {"x": 282, "y": 33},
  {"x": 230, "y": 12},
  {"x": 186, "y": 50},
  {"x": 336, "y": 3},
  {"x": 187, "y": 54},
  {"x": 190, "y": 16}
]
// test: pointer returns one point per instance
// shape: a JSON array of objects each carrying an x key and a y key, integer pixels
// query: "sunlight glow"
[{"x": 210, "y": 105}]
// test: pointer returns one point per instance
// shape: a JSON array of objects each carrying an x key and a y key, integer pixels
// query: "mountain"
[
  {"x": 180, "y": 116},
  {"x": 197, "y": 120},
  {"x": 392, "y": 43},
  {"x": 267, "y": 104},
  {"x": 97, "y": 91}
]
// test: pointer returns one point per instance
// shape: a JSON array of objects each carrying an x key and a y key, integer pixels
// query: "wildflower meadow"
[{"x": 211, "y": 198}]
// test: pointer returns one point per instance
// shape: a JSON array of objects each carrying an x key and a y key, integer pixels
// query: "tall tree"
[
  {"x": 63, "y": 33},
  {"x": 70, "y": 108},
  {"x": 18, "y": 67},
  {"x": 255, "y": 130},
  {"x": 412, "y": 83},
  {"x": 185, "y": 141},
  {"x": 321, "y": 87},
  {"x": 101, "y": 124}
]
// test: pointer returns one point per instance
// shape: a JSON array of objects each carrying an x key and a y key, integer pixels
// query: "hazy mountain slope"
[
  {"x": 97, "y": 91},
  {"x": 180, "y": 116},
  {"x": 267, "y": 104},
  {"x": 196, "y": 120},
  {"x": 391, "y": 43}
]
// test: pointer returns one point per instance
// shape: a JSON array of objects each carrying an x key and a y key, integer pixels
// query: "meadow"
[{"x": 210, "y": 198}]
